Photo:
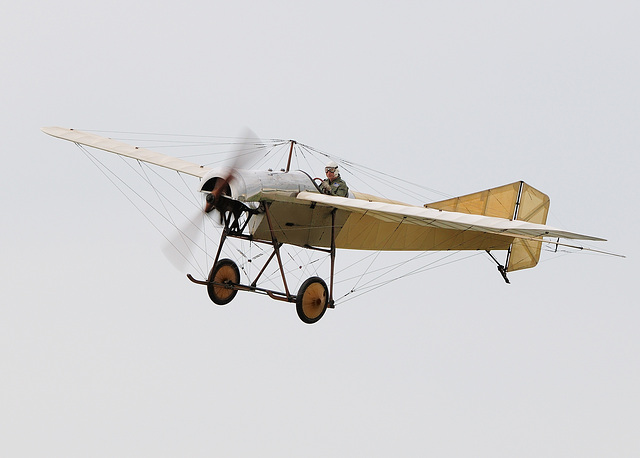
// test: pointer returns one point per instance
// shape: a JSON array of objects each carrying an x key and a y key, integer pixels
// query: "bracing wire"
[{"x": 114, "y": 179}]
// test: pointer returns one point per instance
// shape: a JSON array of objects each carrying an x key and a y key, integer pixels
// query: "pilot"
[{"x": 334, "y": 185}]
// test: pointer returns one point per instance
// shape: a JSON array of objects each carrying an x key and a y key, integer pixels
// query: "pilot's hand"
[{"x": 325, "y": 186}]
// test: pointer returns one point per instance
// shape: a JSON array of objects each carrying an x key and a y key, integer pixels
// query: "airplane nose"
[{"x": 211, "y": 203}]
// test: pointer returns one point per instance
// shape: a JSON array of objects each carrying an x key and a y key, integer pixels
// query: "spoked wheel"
[
  {"x": 226, "y": 272},
  {"x": 312, "y": 299}
]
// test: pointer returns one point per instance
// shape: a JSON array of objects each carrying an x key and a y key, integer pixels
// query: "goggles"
[{"x": 330, "y": 169}]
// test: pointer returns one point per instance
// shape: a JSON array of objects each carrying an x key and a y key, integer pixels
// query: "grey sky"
[{"x": 107, "y": 351}]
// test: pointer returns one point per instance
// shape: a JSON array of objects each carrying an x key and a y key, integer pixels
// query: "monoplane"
[{"x": 274, "y": 208}]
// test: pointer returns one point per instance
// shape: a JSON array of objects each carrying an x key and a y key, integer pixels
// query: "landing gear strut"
[{"x": 223, "y": 283}]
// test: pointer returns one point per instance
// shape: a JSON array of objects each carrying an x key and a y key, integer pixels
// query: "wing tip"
[{"x": 54, "y": 130}]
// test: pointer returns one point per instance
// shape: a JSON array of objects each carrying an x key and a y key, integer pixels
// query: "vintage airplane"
[{"x": 288, "y": 207}]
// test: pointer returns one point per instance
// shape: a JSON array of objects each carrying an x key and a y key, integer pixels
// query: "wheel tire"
[
  {"x": 312, "y": 300},
  {"x": 225, "y": 271}
]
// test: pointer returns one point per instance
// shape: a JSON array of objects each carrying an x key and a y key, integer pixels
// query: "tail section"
[{"x": 514, "y": 201}]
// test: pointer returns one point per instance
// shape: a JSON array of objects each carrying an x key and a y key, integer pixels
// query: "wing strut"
[{"x": 331, "y": 303}]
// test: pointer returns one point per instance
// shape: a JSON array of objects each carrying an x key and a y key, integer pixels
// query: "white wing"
[
  {"x": 429, "y": 217},
  {"x": 123, "y": 149}
]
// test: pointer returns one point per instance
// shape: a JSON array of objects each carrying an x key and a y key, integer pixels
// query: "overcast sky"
[{"x": 107, "y": 351}]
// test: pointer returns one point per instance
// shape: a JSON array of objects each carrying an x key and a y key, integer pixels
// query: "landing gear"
[
  {"x": 312, "y": 300},
  {"x": 224, "y": 275},
  {"x": 223, "y": 283}
]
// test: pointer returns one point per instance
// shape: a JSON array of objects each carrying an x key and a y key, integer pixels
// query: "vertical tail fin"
[
  {"x": 512, "y": 201},
  {"x": 533, "y": 206}
]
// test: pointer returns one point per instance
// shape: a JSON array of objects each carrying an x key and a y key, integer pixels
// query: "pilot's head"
[{"x": 331, "y": 169}]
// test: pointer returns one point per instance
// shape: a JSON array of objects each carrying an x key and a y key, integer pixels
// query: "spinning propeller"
[{"x": 181, "y": 246}]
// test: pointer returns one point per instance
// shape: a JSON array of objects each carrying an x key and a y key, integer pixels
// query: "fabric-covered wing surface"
[
  {"x": 385, "y": 226},
  {"x": 123, "y": 149}
]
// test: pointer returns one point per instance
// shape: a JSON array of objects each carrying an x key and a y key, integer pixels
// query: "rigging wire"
[
  {"x": 103, "y": 169},
  {"x": 372, "y": 171},
  {"x": 387, "y": 282},
  {"x": 162, "y": 202}
]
